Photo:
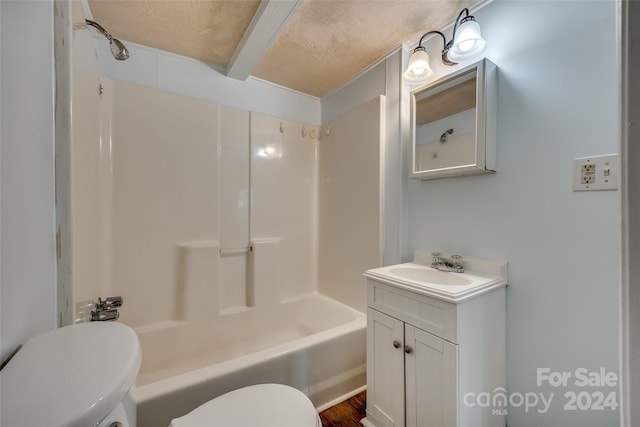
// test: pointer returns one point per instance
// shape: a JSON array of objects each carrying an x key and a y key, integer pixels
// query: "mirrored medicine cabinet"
[{"x": 453, "y": 123}]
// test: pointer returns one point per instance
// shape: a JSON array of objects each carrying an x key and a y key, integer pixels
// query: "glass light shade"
[
  {"x": 468, "y": 43},
  {"x": 418, "y": 70}
]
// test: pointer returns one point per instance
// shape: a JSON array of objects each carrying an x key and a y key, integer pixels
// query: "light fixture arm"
[
  {"x": 446, "y": 45},
  {"x": 428, "y": 33},
  {"x": 464, "y": 11}
]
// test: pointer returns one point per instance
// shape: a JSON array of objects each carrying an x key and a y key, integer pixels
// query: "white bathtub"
[{"x": 312, "y": 343}]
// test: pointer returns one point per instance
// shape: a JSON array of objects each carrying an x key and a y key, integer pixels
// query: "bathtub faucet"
[
  {"x": 453, "y": 264},
  {"x": 107, "y": 309}
]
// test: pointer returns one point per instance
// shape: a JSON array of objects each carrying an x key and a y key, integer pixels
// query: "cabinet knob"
[
  {"x": 408, "y": 349},
  {"x": 396, "y": 344}
]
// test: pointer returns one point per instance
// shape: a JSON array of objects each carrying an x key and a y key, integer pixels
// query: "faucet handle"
[
  {"x": 114, "y": 301},
  {"x": 110, "y": 302},
  {"x": 456, "y": 261}
]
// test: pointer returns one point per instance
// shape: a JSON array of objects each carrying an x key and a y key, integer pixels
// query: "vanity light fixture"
[{"x": 466, "y": 43}]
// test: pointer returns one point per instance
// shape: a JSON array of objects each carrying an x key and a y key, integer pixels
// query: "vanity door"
[
  {"x": 431, "y": 379},
  {"x": 385, "y": 370}
]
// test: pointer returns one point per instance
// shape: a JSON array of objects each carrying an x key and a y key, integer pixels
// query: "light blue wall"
[
  {"x": 557, "y": 99},
  {"x": 28, "y": 270}
]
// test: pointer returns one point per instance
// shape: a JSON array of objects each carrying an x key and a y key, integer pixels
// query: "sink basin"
[{"x": 434, "y": 277}]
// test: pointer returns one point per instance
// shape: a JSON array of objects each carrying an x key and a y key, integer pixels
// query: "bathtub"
[{"x": 313, "y": 343}]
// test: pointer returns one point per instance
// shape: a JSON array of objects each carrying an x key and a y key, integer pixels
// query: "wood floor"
[{"x": 345, "y": 414}]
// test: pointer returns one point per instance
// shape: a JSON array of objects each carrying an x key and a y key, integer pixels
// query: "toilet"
[
  {"x": 264, "y": 405},
  {"x": 82, "y": 375}
]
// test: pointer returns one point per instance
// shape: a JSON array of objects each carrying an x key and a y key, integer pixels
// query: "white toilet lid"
[
  {"x": 264, "y": 405},
  {"x": 71, "y": 376}
]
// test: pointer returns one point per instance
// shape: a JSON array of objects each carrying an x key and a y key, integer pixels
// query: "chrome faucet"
[
  {"x": 453, "y": 264},
  {"x": 107, "y": 309}
]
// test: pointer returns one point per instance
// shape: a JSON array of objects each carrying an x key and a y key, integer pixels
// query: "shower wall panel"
[
  {"x": 88, "y": 157},
  {"x": 350, "y": 202},
  {"x": 284, "y": 202},
  {"x": 165, "y": 191},
  {"x": 233, "y": 181}
]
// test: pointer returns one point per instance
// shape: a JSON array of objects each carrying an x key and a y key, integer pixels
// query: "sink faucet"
[{"x": 453, "y": 264}]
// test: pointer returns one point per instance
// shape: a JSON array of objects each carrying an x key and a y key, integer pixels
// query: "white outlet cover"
[{"x": 607, "y": 172}]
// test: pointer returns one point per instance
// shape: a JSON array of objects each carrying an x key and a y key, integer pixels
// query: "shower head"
[{"x": 118, "y": 50}]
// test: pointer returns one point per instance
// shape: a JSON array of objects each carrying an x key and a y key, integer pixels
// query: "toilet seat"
[{"x": 264, "y": 405}]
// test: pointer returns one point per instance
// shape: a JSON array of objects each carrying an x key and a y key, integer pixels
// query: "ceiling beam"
[{"x": 268, "y": 21}]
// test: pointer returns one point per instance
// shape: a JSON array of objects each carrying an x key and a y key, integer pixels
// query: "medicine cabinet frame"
[{"x": 475, "y": 152}]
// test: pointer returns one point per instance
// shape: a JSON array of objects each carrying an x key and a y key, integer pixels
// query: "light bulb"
[{"x": 466, "y": 45}]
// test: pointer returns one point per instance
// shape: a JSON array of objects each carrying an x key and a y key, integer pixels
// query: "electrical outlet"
[
  {"x": 588, "y": 175},
  {"x": 596, "y": 173}
]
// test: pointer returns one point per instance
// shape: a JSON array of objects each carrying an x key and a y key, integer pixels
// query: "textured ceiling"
[
  {"x": 323, "y": 45},
  {"x": 205, "y": 30}
]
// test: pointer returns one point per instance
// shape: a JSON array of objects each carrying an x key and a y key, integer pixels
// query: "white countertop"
[{"x": 479, "y": 277}]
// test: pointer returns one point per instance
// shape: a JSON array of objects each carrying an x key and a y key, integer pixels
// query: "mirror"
[{"x": 453, "y": 124}]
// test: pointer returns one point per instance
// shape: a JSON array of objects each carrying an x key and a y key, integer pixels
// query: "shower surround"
[
  {"x": 209, "y": 221},
  {"x": 177, "y": 204}
]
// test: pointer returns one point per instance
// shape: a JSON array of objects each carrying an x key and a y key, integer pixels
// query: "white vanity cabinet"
[
  {"x": 429, "y": 355},
  {"x": 405, "y": 363}
]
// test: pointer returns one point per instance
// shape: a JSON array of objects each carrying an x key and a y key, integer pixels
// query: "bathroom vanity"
[{"x": 436, "y": 345}]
